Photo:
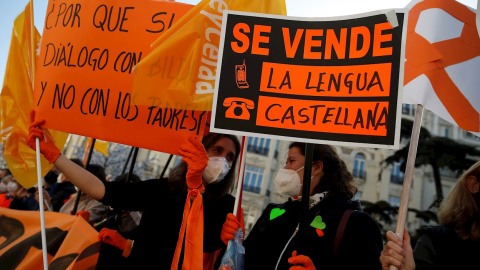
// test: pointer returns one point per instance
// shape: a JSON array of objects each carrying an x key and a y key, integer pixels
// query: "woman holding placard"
[
  {"x": 455, "y": 243},
  {"x": 334, "y": 233},
  {"x": 207, "y": 168}
]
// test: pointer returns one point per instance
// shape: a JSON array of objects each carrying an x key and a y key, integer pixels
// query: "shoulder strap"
[{"x": 341, "y": 228}]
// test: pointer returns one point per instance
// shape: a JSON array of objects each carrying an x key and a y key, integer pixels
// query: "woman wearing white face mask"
[
  {"x": 283, "y": 237},
  {"x": 162, "y": 202}
]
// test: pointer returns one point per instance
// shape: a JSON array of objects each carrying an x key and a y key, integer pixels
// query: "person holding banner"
[
  {"x": 96, "y": 209},
  {"x": 283, "y": 237},
  {"x": 455, "y": 243},
  {"x": 208, "y": 166}
]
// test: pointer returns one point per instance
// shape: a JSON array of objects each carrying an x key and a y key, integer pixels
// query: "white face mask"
[
  {"x": 287, "y": 182},
  {"x": 3, "y": 187},
  {"x": 217, "y": 168},
  {"x": 12, "y": 187}
]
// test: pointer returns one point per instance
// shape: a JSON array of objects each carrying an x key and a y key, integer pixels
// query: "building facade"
[{"x": 375, "y": 180}]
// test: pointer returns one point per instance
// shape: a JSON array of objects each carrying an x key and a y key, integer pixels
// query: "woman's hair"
[
  {"x": 98, "y": 171},
  {"x": 337, "y": 180},
  {"x": 460, "y": 208},
  {"x": 177, "y": 179},
  {"x": 123, "y": 178}
]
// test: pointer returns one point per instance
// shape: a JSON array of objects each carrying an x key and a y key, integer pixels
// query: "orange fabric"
[
  {"x": 190, "y": 47},
  {"x": 300, "y": 262},
  {"x": 84, "y": 214},
  {"x": 17, "y": 101},
  {"x": 192, "y": 232},
  {"x": 47, "y": 146},
  {"x": 431, "y": 59},
  {"x": 77, "y": 240}
]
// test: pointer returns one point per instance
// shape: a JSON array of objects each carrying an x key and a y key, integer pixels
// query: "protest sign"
[
  {"x": 317, "y": 80},
  {"x": 72, "y": 242},
  {"x": 85, "y": 72}
]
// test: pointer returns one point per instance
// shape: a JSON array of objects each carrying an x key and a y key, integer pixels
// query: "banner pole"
[
  {"x": 239, "y": 192},
  {"x": 307, "y": 174},
  {"x": 128, "y": 159},
  {"x": 37, "y": 145},
  {"x": 132, "y": 165},
  {"x": 407, "y": 182},
  {"x": 79, "y": 192}
]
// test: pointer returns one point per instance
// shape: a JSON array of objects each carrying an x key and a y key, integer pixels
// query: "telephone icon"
[
  {"x": 241, "y": 75},
  {"x": 238, "y": 108}
]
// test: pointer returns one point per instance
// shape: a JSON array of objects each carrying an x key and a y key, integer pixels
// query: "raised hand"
[
  {"x": 196, "y": 157},
  {"x": 47, "y": 146}
]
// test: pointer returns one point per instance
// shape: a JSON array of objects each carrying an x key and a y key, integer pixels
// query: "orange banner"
[
  {"x": 17, "y": 102},
  {"x": 71, "y": 240},
  {"x": 85, "y": 73},
  {"x": 184, "y": 60},
  {"x": 345, "y": 117},
  {"x": 327, "y": 81}
]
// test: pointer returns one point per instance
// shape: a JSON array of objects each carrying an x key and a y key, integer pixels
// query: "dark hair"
[
  {"x": 123, "y": 178},
  {"x": 177, "y": 178},
  {"x": 98, "y": 171},
  {"x": 51, "y": 177},
  {"x": 337, "y": 180},
  {"x": 78, "y": 162}
]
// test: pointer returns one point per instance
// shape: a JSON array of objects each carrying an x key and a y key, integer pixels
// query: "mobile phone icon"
[{"x": 241, "y": 75}]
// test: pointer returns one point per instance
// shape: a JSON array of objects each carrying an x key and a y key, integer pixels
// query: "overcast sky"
[{"x": 9, "y": 10}]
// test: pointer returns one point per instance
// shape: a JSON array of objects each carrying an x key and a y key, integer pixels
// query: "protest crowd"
[{"x": 197, "y": 82}]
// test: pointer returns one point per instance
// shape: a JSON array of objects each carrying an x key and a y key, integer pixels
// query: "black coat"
[
  {"x": 359, "y": 249},
  {"x": 441, "y": 248},
  {"x": 157, "y": 233}
]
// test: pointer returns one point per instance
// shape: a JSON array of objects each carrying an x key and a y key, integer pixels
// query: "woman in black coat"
[
  {"x": 284, "y": 237},
  {"x": 207, "y": 168}
]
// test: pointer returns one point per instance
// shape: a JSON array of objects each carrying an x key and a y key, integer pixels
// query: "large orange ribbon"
[{"x": 192, "y": 232}]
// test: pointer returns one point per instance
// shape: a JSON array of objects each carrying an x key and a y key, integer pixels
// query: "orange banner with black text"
[
  {"x": 72, "y": 243},
  {"x": 85, "y": 73}
]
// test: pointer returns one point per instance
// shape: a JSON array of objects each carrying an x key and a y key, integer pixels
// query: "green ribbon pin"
[
  {"x": 318, "y": 223},
  {"x": 276, "y": 212}
]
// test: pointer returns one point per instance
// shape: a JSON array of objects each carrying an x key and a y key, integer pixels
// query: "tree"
[
  {"x": 437, "y": 152},
  {"x": 384, "y": 213}
]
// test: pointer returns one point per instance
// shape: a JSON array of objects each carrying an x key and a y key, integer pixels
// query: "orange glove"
[
  {"x": 47, "y": 145},
  {"x": 305, "y": 263},
  {"x": 196, "y": 157},
  {"x": 84, "y": 214},
  {"x": 112, "y": 237},
  {"x": 230, "y": 227}
]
